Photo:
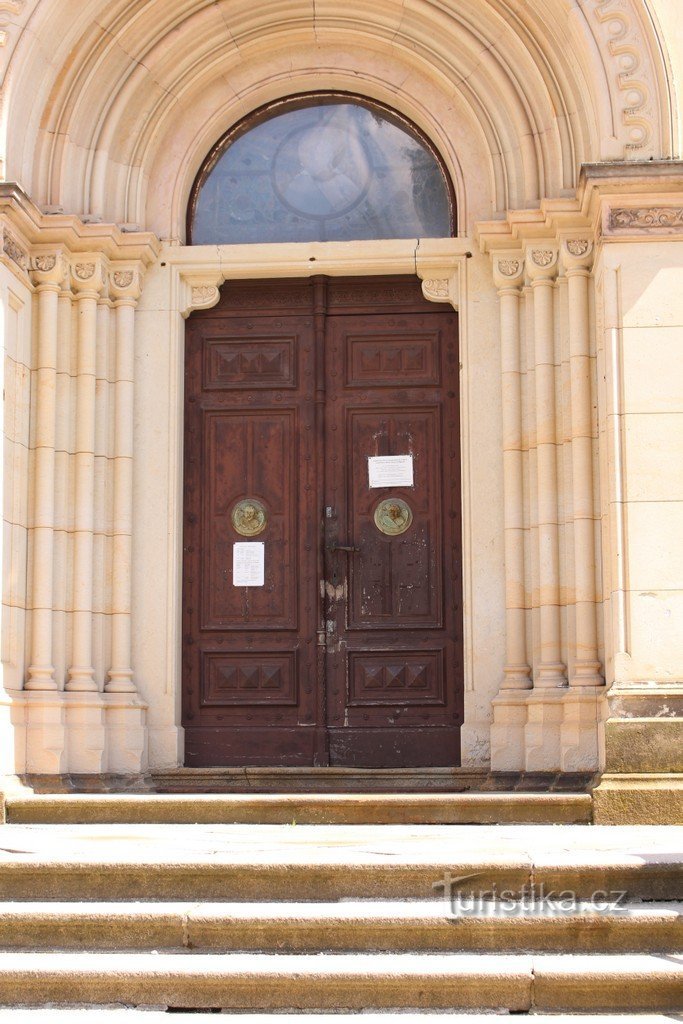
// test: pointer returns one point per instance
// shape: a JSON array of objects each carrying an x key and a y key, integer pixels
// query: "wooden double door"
[{"x": 322, "y": 590}]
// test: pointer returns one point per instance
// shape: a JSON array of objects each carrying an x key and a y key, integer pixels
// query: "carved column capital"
[
  {"x": 125, "y": 282},
  {"x": 49, "y": 269},
  {"x": 542, "y": 259},
  {"x": 576, "y": 253},
  {"x": 88, "y": 274},
  {"x": 508, "y": 270}
]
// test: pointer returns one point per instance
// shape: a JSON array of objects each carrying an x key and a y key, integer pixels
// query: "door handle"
[{"x": 333, "y": 546}]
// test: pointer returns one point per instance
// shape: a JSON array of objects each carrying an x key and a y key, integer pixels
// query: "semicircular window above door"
[{"x": 321, "y": 168}]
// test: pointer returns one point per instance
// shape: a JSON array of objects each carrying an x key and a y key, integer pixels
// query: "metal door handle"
[{"x": 342, "y": 547}]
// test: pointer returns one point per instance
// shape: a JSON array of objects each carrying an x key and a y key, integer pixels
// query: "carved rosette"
[
  {"x": 508, "y": 270},
  {"x": 541, "y": 261},
  {"x": 88, "y": 274},
  {"x": 125, "y": 283},
  {"x": 48, "y": 269}
]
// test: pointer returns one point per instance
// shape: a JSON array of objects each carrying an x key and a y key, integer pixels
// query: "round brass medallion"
[
  {"x": 393, "y": 516},
  {"x": 249, "y": 517}
]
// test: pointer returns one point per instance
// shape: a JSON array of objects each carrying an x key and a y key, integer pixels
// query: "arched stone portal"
[{"x": 557, "y": 124}]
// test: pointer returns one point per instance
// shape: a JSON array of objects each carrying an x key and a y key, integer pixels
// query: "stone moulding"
[
  {"x": 645, "y": 218},
  {"x": 633, "y": 73}
]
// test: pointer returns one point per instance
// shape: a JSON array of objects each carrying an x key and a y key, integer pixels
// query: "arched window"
[{"x": 327, "y": 167}]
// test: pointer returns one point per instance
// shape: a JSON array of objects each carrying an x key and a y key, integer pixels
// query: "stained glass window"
[{"x": 322, "y": 169}]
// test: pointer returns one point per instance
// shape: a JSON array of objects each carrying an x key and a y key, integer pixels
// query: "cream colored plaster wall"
[{"x": 642, "y": 439}]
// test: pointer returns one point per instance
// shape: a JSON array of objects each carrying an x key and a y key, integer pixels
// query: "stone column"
[
  {"x": 583, "y": 704},
  {"x": 45, "y": 719},
  {"x": 125, "y": 290},
  {"x": 509, "y": 707},
  {"x": 126, "y": 733},
  {"x": 577, "y": 258},
  {"x": 48, "y": 272},
  {"x": 85, "y": 712},
  {"x": 88, "y": 278},
  {"x": 542, "y": 734}
]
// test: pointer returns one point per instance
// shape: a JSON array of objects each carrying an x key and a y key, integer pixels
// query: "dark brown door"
[{"x": 322, "y": 435}]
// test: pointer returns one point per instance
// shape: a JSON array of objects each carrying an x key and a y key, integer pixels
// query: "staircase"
[{"x": 123, "y": 913}]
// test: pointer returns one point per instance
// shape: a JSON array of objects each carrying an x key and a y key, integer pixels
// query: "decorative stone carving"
[
  {"x": 48, "y": 268},
  {"x": 11, "y": 248},
  {"x": 123, "y": 278},
  {"x": 632, "y": 72},
  {"x": 576, "y": 254},
  {"x": 542, "y": 261},
  {"x": 84, "y": 271},
  {"x": 542, "y": 257},
  {"x": 578, "y": 246},
  {"x": 125, "y": 282},
  {"x": 646, "y": 218},
  {"x": 509, "y": 268},
  {"x": 203, "y": 293},
  {"x": 201, "y": 290},
  {"x": 89, "y": 274},
  {"x": 44, "y": 263},
  {"x": 435, "y": 288}
]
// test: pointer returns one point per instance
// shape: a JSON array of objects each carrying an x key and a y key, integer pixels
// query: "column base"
[
  {"x": 585, "y": 709},
  {"x": 86, "y": 732},
  {"x": 542, "y": 732},
  {"x": 166, "y": 746},
  {"x": 12, "y": 731},
  {"x": 46, "y": 752},
  {"x": 507, "y": 730},
  {"x": 125, "y": 718}
]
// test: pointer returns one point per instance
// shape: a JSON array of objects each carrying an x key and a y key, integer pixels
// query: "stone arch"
[{"x": 137, "y": 91}]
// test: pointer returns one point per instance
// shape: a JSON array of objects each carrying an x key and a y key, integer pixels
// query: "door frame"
[{"x": 192, "y": 277}]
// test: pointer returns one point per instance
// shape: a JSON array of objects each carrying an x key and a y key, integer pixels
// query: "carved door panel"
[
  {"x": 249, "y": 654},
  {"x": 394, "y": 597},
  {"x": 346, "y": 657}
]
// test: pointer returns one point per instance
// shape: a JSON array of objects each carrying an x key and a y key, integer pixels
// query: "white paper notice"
[
  {"x": 248, "y": 564},
  {"x": 390, "y": 470}
]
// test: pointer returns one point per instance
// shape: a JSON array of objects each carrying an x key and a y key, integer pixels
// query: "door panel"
[
  {"x": 249, "y": 653},
  {"x": 394, "y": 655},
  {"x": 351, "y": 652}
]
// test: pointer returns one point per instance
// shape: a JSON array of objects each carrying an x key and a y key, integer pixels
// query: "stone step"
[
  {"x": 302, "y": 808},
  {"x": 131, "y": 1015},
  {"x": 319, "y": 863},
  {"x": 346, "y": 981},
  {"x": 348, "y": 926}
]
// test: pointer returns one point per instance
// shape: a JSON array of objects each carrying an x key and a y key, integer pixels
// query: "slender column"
[
  {"x": 542, "y": 267},
  {"x": 125, "y": 291},
  {"x": 577, "y": 256},
  {"x": 509, "y": 276},
  {"x": 63, "y": 500},
  {"x": 88, "y": 278},
  {"x": 48, "y": 272}
]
